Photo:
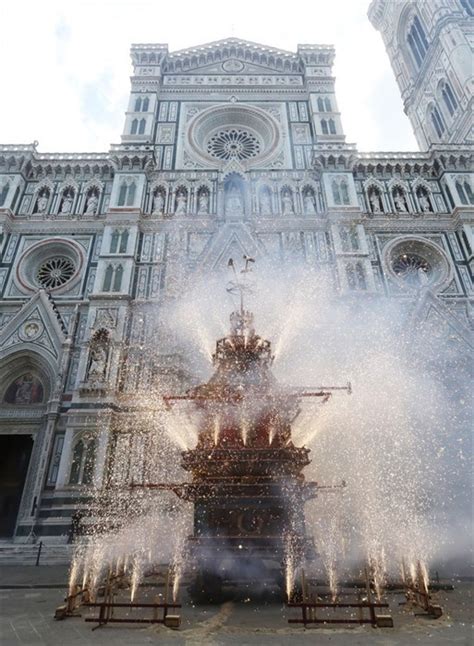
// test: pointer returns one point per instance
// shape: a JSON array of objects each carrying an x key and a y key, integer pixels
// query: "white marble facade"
[{"x": 229, "y": 147}]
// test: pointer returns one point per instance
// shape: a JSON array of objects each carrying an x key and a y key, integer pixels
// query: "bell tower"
[{"x": 429, "y": 49}]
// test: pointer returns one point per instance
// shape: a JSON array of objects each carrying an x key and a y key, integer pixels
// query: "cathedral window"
[
  {"x": 126, "y": 194},
  {"x": 468, "y": 6},
  {"x": 109, "y": 274},
  {"x": 349, "y": 239},
  {"x": 465, "y": 192},
  {"x": 134, "y": 128},
  {"x": 336, "y": 193},
  {"x": 354, "y": 238},
  {"x": 324, "y": 127},
  {"x": 234, "y": 143},
  {"x": 141, "y": 127},
  {"x": 122, "y": 194},
  {"x": 117, "y": 284},
  {"x": 469, "y": 193},
  {"x": 55, "y": 272},
  {"x": 131, "y": 194},
  {"x": 123, "y": 242},
  {"x": 417, "y": 41},
  {"x": 324, "y": 104},
  {"x": 146, "y": 104},
  {"x": 449, "y": 98},
  {"x": 113, "y": 278},
  {"x": 344, "y": 237},
  {"x": 360, "y": 276},
  {"x": 344, "y": 192},
  {"x": 4, "y": 193},
  {"x": 138, "y": 104},
  {"x": 437, "y": 121},
  {"x": 114, "y": 240},
  {"x": 83, "y": 462},
  {"x": 332, "y": 127}
]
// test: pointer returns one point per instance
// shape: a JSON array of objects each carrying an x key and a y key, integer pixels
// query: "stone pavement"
[{"x": 27, "y": 609}]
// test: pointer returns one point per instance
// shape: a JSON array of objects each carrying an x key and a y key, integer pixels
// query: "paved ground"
[{"x": 27, "y": 619}]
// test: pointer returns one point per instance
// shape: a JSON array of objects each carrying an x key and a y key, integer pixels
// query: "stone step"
[{"x": 51, "y": 554}]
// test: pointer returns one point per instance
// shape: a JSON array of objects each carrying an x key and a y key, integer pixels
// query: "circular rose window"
[
  {"x": 233, "y": 144},
  {"x": 234, "y": 133},
  {"x": 55, "y": 272},
  {"x": 416, "y": 262},
  {"x": 52, "y": 264}
]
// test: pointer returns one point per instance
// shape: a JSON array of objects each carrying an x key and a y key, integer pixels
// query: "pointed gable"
[
  {"x": 233, "y": 56},
  {"x": 232, "y": 241},
  {"x": 39, "y": 324}
]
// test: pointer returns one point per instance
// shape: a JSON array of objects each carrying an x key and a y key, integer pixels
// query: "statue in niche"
[
  {"x": 181, "y": 204},
  {"x": 203, "y": 203},
  {"x": 158, "y": 203},
  {"x": 42, "y": 203},
  {"x": 92, "y": 204},
  {"x": 308, "y": 202},
  {"x": 294, "y": 243},
  {"x": 265, "y": 202},
  {"x": 233, "y": 201},
  {"x": 98, "y": 356},
  {"x": 287, "y": 203},
  {"x": 424, "y": 202},
  {"x": 66, "y": 204},
  {"x": 374, "y": 200},
  {"x": 400, "y": 203},
  {"x": 97, "y": 364},
  {"x": 27, "y": 389}
]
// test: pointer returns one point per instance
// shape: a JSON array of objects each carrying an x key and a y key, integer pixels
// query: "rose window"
[
  {"x": 55, "y": 272},
  {"x": 233, "y": 144}
]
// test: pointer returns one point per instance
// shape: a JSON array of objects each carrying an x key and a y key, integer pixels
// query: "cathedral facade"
[{"x": 228, "y": 148}]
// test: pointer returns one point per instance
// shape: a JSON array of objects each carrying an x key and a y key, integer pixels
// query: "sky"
[{"x": 65, "y": 65}]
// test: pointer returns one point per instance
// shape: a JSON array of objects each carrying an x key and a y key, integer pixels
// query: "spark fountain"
[{"x": 247, "y": 484}]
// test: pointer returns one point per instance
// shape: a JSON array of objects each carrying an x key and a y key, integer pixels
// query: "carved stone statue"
[
  {"x": 233, "y": 201},
  {"x": 308, "y": 202},
  {"x": 158, "y": 203},
  {"x": 66, "y": 204},
  {"x": 265, "y": 203},
  {"x": 424, "y": 203},
  {"x": 287, "y": 203},
  {"x": 400, "y": 203},
  {"x": 375, "y": 202},
  {"x": 41, "y": 204},
  {"x": 181, "y": 204},
  {"x": 92, "y": 204},
  {"x": 203, "y": 203},
  {"x": 98, "y": 363}
]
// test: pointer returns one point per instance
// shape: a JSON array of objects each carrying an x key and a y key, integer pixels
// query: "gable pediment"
[
  {"x": 232, "y": 241},
  {"x": 232, "y": 56},
  {"x": 36, "y": 324}
]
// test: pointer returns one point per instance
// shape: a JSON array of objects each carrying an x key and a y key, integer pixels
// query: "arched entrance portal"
[
  {"x": 15, "y": 454},
  {"x": 24, "y": 391}
]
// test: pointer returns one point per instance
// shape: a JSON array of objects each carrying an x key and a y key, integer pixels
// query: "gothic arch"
[
  {"x": 27, "y": 359},
  {"x": 408, "y": 16},
  {"x": 43, "y": 188}
]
